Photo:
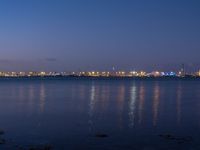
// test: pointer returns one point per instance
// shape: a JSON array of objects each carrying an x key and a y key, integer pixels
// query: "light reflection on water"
[
  {"x": 156, "y": 101},
  {"x": 42, "y": 97},
  {"x": 132, "y": 104},
  {"x": 91, "y": 106},
  {"x": 141, "y": 103},
  {"x": 130, "y": 112},
  {"x": 178, "y": 101}
]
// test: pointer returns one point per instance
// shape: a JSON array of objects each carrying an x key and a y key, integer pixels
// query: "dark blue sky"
[{"x": 65, "y": 35}]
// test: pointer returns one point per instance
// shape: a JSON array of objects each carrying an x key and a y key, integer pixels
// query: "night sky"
[{"x": 61, "y": 35}]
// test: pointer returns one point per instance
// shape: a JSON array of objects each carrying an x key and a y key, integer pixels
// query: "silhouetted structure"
[{"x": 182, "y": 70}]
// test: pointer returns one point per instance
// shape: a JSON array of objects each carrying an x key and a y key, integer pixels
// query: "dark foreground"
[{"x": 120, "y": 114}]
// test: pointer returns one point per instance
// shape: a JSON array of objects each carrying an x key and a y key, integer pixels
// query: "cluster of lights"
[
  {"x": 198, "y": 73},
  {"x": 99, "y": 74}
]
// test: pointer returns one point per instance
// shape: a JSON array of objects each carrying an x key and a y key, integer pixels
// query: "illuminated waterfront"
[{"x": 101, "y": 74}]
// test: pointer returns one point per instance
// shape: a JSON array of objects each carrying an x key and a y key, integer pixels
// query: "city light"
[{"x": 120, "y": 73}]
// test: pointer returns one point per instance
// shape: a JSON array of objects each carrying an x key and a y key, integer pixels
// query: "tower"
[{"x": 183, "y": 70}]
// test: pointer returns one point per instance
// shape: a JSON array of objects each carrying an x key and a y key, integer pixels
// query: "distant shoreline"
[{"x": 99, "y": 78}]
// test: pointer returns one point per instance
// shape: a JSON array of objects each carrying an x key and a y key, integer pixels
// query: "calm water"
[{"x": 68, "y": 114}]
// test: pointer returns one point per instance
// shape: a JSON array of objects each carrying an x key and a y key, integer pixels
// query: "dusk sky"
[{"x": 62, "y": 35}]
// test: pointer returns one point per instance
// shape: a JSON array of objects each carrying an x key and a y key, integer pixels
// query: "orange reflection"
[
  {"x": 22, "y": 93},
  {"x": 104, "y": 97},
  {"x": 178, "y": 103},
  {"x": 141, "y": 103},
  {"x": 156, "y": 101},
  {"x": 42, "y": 97},
  {"x": 81, "y": 89},
  {"x": 92, "y": 100},
  {"x": 120, "y": 101},
  {"x": 30, "y": 96},
  {"x": 22, "y": 96}
]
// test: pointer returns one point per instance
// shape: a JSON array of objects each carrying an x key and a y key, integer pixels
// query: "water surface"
[{"x": 69, "y": 114}]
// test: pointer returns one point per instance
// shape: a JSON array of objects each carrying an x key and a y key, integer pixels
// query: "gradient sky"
[{"x": 62, "y": 35}]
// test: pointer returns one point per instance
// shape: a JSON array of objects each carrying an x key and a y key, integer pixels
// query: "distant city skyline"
[
  {"x": 106, "y": 73},
  {"x": 76, "y": 35}
]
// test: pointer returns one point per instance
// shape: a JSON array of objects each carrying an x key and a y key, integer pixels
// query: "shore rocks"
[
  {"x": 101, "y": 135},
  {"x": 2, "y": 140},
  {"x": 1, "y": 132},
  {"x": 45, "y": 147}
]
